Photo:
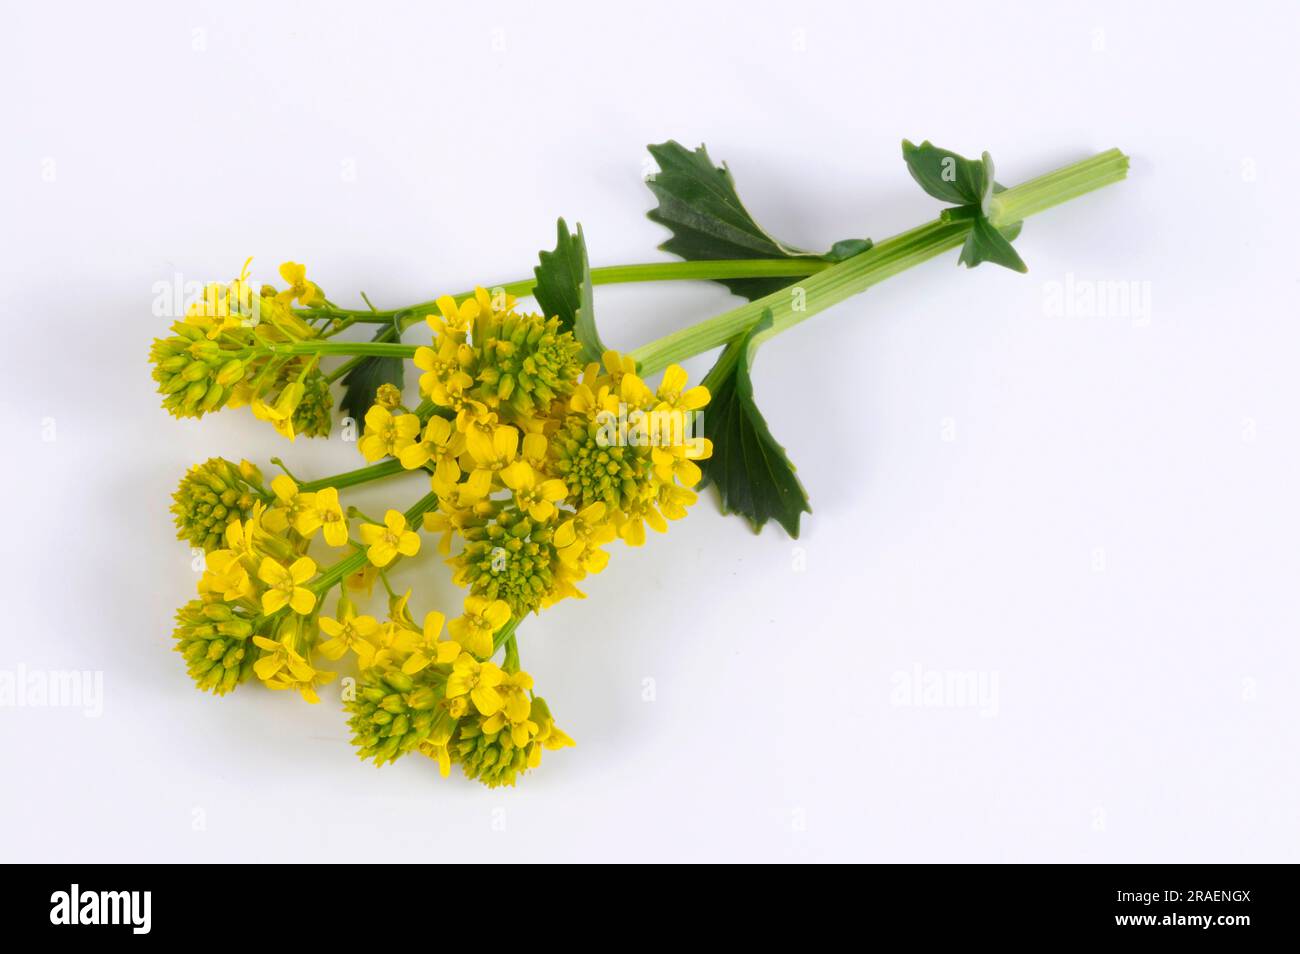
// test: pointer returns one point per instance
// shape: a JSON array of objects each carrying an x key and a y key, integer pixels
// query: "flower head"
[
  {"x": 284, "y": 585},
  {"x": 481, "y": 621},
  {"x": 304, "y": 292},
  {"x": 385, "y": 543},
  {"x": 387, "y": 435}
]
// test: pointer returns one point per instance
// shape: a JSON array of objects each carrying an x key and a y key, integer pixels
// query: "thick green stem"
[
  {"x": 1038, "y": 195},
  {"x": 789, "y": 306},
  {"x": 825, "y": 285}
]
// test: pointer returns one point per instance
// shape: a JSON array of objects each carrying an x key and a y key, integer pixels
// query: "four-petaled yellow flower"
[
  {"x": 289, "y": 504},
  {"x": 538, "y": 497},
  {"x": 279, "y": 657},
  {"x": 515, "y": 710},
  {"x": 306, "y": 293},
  {"x": 386, "y": 542},
  {"x": 325, "y": 513},
  {"x": 429, "y": 649},
  {"x": 386, "y": 435},
  {"x": 478, "y": 680},
  {"x": 672, "y": 397},
  {"x": 442, "y": 444},
  {"x": 285, "y": 585},
  {"x": 348, "y": 632},
  {"x": 481, "y": 620},
  {"x": 492, "y": 454},
  {"x": 452, "y": 318},
  {"x": 580, "y": 538}
]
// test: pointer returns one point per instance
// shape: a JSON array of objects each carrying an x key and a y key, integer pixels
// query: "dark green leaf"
[
  {"x": 987, "y": 244},
  {"x": 967, "y": 183},
  {"x": 753, "y": 475},
  {"x": 360, "y": 384},
  {"x": 564, "y": 288},
  {"x": 947, "y": 176},
  {"x": 699, "y": 204}
]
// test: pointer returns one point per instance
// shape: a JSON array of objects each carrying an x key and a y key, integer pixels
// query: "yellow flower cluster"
[
  {"x": 535, "y": 462},
  {"x": 217, "y": 356}
]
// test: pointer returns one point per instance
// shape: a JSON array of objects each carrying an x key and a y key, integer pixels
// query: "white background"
[{"x": 1099, "y": 513}]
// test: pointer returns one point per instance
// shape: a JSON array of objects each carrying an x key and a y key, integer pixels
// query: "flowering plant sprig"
[{"x": 540, "y": 447}]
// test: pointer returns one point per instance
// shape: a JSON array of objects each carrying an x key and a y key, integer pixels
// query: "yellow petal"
[
  {"x": 304, "y": 600},
  {"x": 302, "y": 570},
  {"x": 284, "y": 487},
  {"x": 274, "y": 601}
]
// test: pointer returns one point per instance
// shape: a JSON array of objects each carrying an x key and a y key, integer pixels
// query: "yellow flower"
[
  {"x": 515, "y": 710},
  {"x": 580, "y": 537},
  {"x": 304, "y": 681},
  {"x": 452, "y": 355},
  {"x": 478, "y": 681},
  {"x": 452, "y": 318},
  {"x": 678, "y": 460},
  {"x": 280, "y": 420},
  {"x": 443, "y": 445},
  {"x": 636, "y": 514},
  {"x": 674, "y": 500},
  {"x": 324, "y": 510},
  {"x": 435, "y": 747},
  {"x": 213, "y": 312},
  {"x": 279, "y": 657},
  {"x": 289, "y": 504},
  {"x": 299, "y": 288},
  {"x": 386, "y": 435},
  {"x": 363, "y": 580},
  {"x": 537, "y": 497},
  {"x": 386, "y": 542},
  {"x": 285, "y": 585},
  {"x": 449, "y": 520},
  {"x": 672, "y": 397},
  {"x": 349, "y": 631},
  {"x": 453, "y": 393},
  {"x": 225, "y": 576},
  {"x": 481, "y": 620},
  {"x": 429, "y": 649},
  {"x": 491, "y": 454},
  {"x": 239, "y": 533}
]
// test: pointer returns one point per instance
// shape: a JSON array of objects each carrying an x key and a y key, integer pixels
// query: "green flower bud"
[{"x": 216, "y": 661}]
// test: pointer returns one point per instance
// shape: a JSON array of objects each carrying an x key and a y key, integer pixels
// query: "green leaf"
[
  {"x": 753, "y": 474},
  {"x": 987, "y": 244},
  {"x": 564, "y": 288},
  {"x": 360, "y": 384},
  {"x": 947, "y": 176},
  {"x": 968, "y": 183},
  {"x": 699, "y": 204}
]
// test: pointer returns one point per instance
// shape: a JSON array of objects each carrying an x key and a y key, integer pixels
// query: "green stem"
[
  {"x": 511, "y": 662},
  {"x": 505, "y": 635},
  {"x": 343, "y": 369},
  {"x": 789, "y": 306},
  {"x": 614, "y": 275},
  {"x": 351, "y": 478},
  {"x": 380, "y": 349},
  {"x": 1070, "y": 182},
  {"x": 825, "y": 285}
]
